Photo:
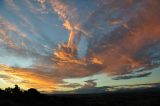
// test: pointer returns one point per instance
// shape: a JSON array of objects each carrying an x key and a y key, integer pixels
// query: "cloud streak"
[{"x": 125, "y": 77}]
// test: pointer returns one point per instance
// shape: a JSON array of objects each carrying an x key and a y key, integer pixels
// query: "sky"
[{"x": 79, "y": 46}]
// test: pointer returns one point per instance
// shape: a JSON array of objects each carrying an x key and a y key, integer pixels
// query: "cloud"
[
  {"x": 108, "y": 89},
  {"x": 64, "y": 9},
  {"x": 124, "y": 38},
  {"x": 122, "y": 49},
  {"x": 12, "y": 5},
  {"x": 125, "y": 77},
  {"x": 89, "y": 84},
  {"x": 4, "y": 76},
  {"x": 89, "y": 87},
  {"x": 34, "y": 8},
  {"x": 16, "y": 43},
  {"x": 6, "y": 28},
  {"x": 71, "y": 85},
  {"x": 27, "y": 78},
  {"x": 24, "y": 26}
]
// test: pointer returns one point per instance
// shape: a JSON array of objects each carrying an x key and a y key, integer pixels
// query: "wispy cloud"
[
  {"x": 125, "y": 77},
  {"x": 6, "y": 29}
]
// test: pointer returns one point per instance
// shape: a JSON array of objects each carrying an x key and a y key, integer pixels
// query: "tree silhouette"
[
  {"x": 8, "y": 90},
  {"x": 33, "y": 91},
  {"x": 16, "y": 90}
]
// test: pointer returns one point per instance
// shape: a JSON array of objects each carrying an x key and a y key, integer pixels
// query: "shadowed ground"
[{"x": 31, "y": 97}]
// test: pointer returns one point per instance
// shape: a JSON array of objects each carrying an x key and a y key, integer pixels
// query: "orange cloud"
[
  {"x": 120, "y": 52},
  {"x": 6, "y": 28},
  {"x": 27, "y": 78}
]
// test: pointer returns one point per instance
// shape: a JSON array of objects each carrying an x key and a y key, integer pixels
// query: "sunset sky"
[{"x": 79, "y": 45}]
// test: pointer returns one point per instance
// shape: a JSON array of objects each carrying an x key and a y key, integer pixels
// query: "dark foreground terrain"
[{"x": 34, "y": 98}]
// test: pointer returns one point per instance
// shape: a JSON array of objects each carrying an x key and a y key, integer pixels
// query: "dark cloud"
[
  {"x": 90, "y": 84},
  {"x": 107, "y": 89},
  {"x": 125, "y": 77},
  {"x": 71, "y": 85},
  {"x": 89, "y": 87},
  {"x": 2, "y": 76}
]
